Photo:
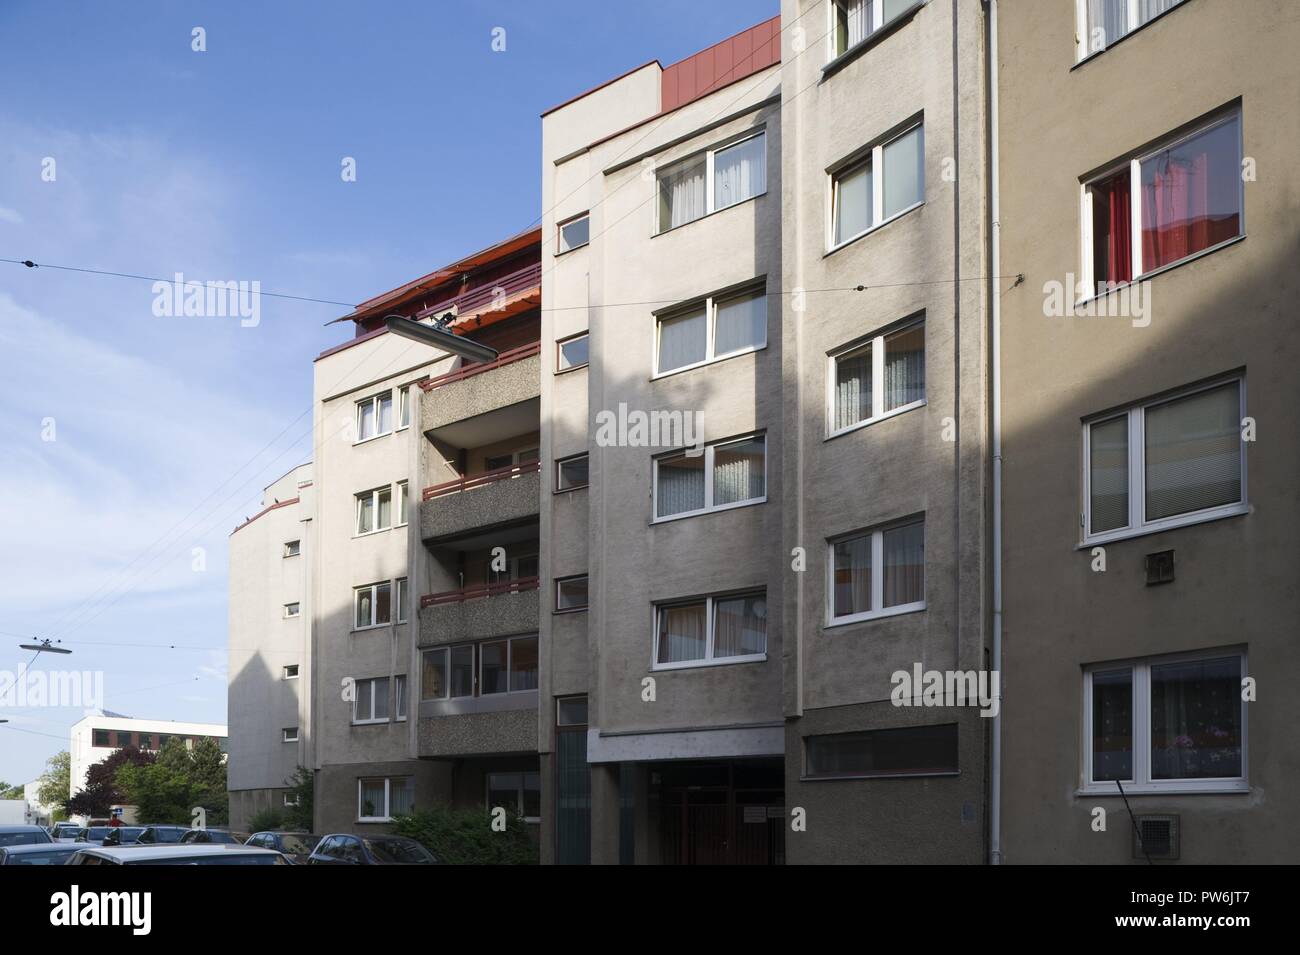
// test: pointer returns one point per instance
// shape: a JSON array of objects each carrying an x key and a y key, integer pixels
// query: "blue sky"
[{"x": 225, "y": 165}]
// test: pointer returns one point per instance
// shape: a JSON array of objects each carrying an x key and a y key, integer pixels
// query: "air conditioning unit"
[{"x": 1155, "y": 837}]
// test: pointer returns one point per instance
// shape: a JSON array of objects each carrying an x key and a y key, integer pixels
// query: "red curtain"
[
  {"x": 1175, "y": 209},
  {"x": 1111, "y": 230}
]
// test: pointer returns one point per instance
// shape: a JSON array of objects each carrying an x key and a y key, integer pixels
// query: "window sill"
[
  {"x": 372, "y": 819},
  {"x": 574, "y": 248},
  {"x": 859, "y": 777},
  {"x": 1173, "y": 523},
  {"x": 373, "y": 437},
  {"x": 565, "y": 371},
  {"x": 1096, "y": 53},
  {"x": 712, "y": 212},
  {"x": 377, "y": 530},
  {"x": 1150, "y": 789},
  {"x": 568, "y": 490},
  {"x": 868, "y": 42},
  {"x": 659, "y": 375},
  {"x": 668, "y": 519},
  {"x": 706, "y": 664},
  {"x": 567, "y": 610},
  {"x": 369, "y": 722},
  {"x": 837, "y": 622},
  {"x": 373, "y": 626},
  {"x": 874, "y": 229},
  {"x": 1147, "y": 276},
  {"x": 902, "y": 409}
]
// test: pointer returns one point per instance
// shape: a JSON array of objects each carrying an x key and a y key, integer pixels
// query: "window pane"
[
  {"x": 401, "y": 503},
  {"x": 383, "y": 603},
  {"x": 372, "y": 798},
  {"x": 852, "y": 202},
  {"x": 532, "y": 795},
  {"x": 385, "y": 413},
  {"x": 904, "y": 565},
  {"x": 852, "y": 23},
  {"x": 1196, "y": 719},
  {"x": 503, "y": 791},
  {"x": 571, "y": 593},
  {"x": 364, "y": 708},
  {"x": 365, "y": 513},
  {"x": 573, "y": 352},
  {"x": 523, "y": 664},
  {"x": 904, "y": 367},
  {"x": 893, "y": 8},
  {"x": 365, "y": 420},
  {"x": 740, "y": 323},
  {"x": 681, "y": 195},
  {"x": 493, "y": 676},
  {"x": 381, "y": 699},
  {"x": 853, "y": 387},
  {"x": 365, "y": 607},
  {"x": 401, "y": 795},
  {"x": 1193, "y": 453},
  {"x": 853, "y": 576},
  {"x": 1107, "y": 22},
  {"x": 1108, "y": 475},
  {"x": 682, "y": 633},
  {"x": 575, "y": 233},
  {"x": 904, "y": 171},
  {"x": 682, "y": 340},
  {"x": 1112, "y": 724},
  {"x": 571, "y": 711},
  {"x": 1191, "y": 196},
  {"x": 1149, "y": 9},
  {"x": 679, "y": 485},
  {"x": 401, "y": 599},
  {"x": 462, "y": 671},
  {"x": 404, "y": 407},
  {"x": 433, "y": 675},
  {"x": 1112, "y": 230},
  {"x": 913, "y": 749},
  {"x": 739, "y": 172},
  {"x": 738, "y": 471},
  {"x": 385, "y": 508},
  {"x": 740, "y": 626},
  {"x": 573, "y": 472}
]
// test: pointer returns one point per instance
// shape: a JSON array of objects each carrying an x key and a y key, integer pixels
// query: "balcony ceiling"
[{"x": 508, "y": 422}]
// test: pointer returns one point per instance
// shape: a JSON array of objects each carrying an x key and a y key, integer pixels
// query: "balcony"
[
  {"x": 480, "y": 502},
  {"x": 475, "y": 403},
  {"x": 480, "y": 612},
  {"x": 512, "y": 730}
]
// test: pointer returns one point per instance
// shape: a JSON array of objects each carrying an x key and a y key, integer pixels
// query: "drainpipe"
[{"x": 995, "y": 343}]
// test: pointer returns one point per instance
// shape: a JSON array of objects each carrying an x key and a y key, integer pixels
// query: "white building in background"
[
  {"x": 37, "y": 812},
  {"x": 95, "y": 737}
]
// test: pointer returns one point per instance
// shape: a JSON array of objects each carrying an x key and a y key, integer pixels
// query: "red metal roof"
[{"x": 736, "y": 57}]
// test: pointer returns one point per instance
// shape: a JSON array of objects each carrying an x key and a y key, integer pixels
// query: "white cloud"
[{"x": 10, "y": 215}]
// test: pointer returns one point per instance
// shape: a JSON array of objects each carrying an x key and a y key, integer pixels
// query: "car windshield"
[
  {"x": 23, "y": 837},
  {"x": 168, "y": 833},
  {"x": 400, "y": 850},
  {"x": 299, "y": 845},
  {"x": 234, "y": 858},
  {"x": 130, "y": 833},
  {"x": 48, "y": 857},
  {"x": 96, "y": 833}
]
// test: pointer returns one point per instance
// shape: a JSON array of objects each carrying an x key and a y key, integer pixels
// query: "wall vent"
[
  {"x": 1160, "y": 567},
  {"x": 1157, "y": 835}
]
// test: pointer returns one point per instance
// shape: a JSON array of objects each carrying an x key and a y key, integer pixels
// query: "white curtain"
[
  {"x": 680, "y": 486},
  {"x": 904, "y": 565},
  {"x": 401, "y": 796},
  {"x": 853, "y": 388},
  {"x": 904, "y": 367},
  {"x": 1193, "y": 453},
  {"x": 857, "y": 16},
  {"x": 681, "y": 633},
  {"x": 1148, "y": 9},
  {"x": 1109, "y": 16},
  {"x": 682, "y": 196},
  {"x": 682, "y": 340},
  {"x": 739, "y": 626},
  {"x": 853, "y": 576},
  {"x": 1196, "y": 719},
  {"x": 738, "y": 471},
  {"x": 740, "y": 172},
  {"x": 740, "y": 323}
]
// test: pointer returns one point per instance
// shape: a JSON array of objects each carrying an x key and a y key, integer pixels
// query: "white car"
[{"x": 194, "y": 854}]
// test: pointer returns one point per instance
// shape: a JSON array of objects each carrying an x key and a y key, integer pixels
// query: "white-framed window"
[
  {"x": 399, "y": 698},
  {"x": 375, "y": 416},
  {"x": 1166, "y": 724},
  {"x": 730, "y": 628},
  {"x": 712, "y": 180},
  {"x": 379, "y": 799},
  {"x": 572, "y": 352},
  {"x": 573, "y": 233},
  {"x": 489, "y": 668},
  {"x": 403, "y": 504},
  {"x": 370, "y": 704},
  {"x": 375, "y": 510},
  {"x": 876, "y": 573},
  {"x": 292, "y": 610},
  {"x": 718, "y": 327},
  {"x": 291, "y": 672},
  {"x": 876, "y": 377},
  {"x": 853, "y": 21},
  {"x": 288, "y": 799},
  {"x": 519, "y": 793},
  {"x": 404, "y": 407},
  {"x": 373, "y": 605},
  {"x": 1180, "y": 199},
  {"x": 289, "y": 734},
  {"x": 1166, "y": 462},
  {"x": 876, "y": 186},
  {"x": 1099, "y": 23},
  {"x": 727, "y": 474},
  {"x": 403, "y": 595},
  {"x": 292, "y": 548},
  {"x": 572, "y": 472},
  {"x": 571, "y": 593}
]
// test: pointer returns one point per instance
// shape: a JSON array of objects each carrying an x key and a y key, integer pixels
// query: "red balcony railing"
[
  {"x": 482, "y": 590},
  {"x": 467, "y": 303},
  {"x": 469, "y": 371},
  {"x": 478, "y": 480}
]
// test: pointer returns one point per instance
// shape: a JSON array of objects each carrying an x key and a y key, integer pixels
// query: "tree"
[
  {"x": 179, "y": 781},
  {"x": 103, "y": 789},
  {"x": 300, "y": 815},
  {"x": 8, "y": 791},
  {"x": 55, "y": 783}
]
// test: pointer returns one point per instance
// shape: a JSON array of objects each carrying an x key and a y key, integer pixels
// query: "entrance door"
[{"x": 722, "y": 813}]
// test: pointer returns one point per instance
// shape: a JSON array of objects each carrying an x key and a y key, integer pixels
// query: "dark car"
[
  {"x": 23, "y": 836},
  {"x": 214, "y": 836},
  {"x": 176, "y": 854},
  {"x": 122, "y": 835},
  {"x": 161, "y": 835},
  {"x": 296, "y": 845},
  {"x": 345, "y": 849},
  {"x": 41, "y": 853}
]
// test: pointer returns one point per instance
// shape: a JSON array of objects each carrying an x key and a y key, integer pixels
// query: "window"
[
  {"x": 403, "y": 407},
  {"x": 146, "y": 741},
  {"x": 1181, "y": 199},
  {"x": 715, "y": 328},
  {"x": 503, "y": 666},
  {"x": 573, "y": 352},
  {"x": 878, "y": 573},
  {"x": 571, "y": 473},
  {"x": 378, "y": 800},
  {"x": 291, "y": 672},
  {"x": 375, "y": 510},
  {"x": 289, "y": 734},
  {"x": 731, "y": 629},
  {"x": 123, "y": 738},
  {"x": 292, "y": 610},
  {"x": 1168, "y": 723},
  {"x": 399, "y": 697},
  {"x": 727, "y": 474},
  {"x": 1102, "y": 22},
  {"x": 100, "y": 738},
  {"x": 292, "y": 548},
  {"x": 877, "y": 378},
  {"x": 402, "y": 597},
  {"x": 1165, "y": 463},
  {"x": 906, "y": 751},
  {"x": 574, "y": 233},
  {"x": 518, "y": 792},
  {"x": 571, "y": 711},
  {"x": 374, "y": 605},
  {"x": 370, "y": 705},
  {"x": 874, "y": 188},
  {"x": 855, "y": 20},
  {"x": 712, "y": 181},
  {"x": 571, "y": 593},
  {"x": 402, "y": 505},
  {"x": 375, "y": 416}
]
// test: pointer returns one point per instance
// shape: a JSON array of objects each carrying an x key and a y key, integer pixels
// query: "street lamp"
[{"x": 438, "y": 336}]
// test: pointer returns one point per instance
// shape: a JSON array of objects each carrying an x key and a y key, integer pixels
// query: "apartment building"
[
  {"x": 1150, "y": 448},
  {"x": 95, "y": 736},
  {"x": 268, "y": 654}
]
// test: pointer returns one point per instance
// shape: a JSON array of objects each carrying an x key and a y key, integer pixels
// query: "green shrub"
[
  {"x": 466, "y": 837},
  {"x": 268, "y": 818}
]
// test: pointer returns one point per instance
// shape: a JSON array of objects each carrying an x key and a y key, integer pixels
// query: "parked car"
[
  {"x": 345, "y": 849},
  {"x": 176, "y": 855},
  {"x": 40, "y": 853},
  {"x": 122, "y": 835},
  {"x": 161, "y": 835},
  {"x": 297, "y": 846},
  {"x": 23, "y": 836},
  {"x": 64, "y": 831},
  {"x": 214, "y": 836}
]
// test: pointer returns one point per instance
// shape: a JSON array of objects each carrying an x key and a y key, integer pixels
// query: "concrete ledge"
[
  {"x": 731, "y": 741},
  {"x": 499, "y": 502},
  {"x": 471, "y": 734},
  {"x": 482, "y": 617},
  {"x": 479, "y": 394}
]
